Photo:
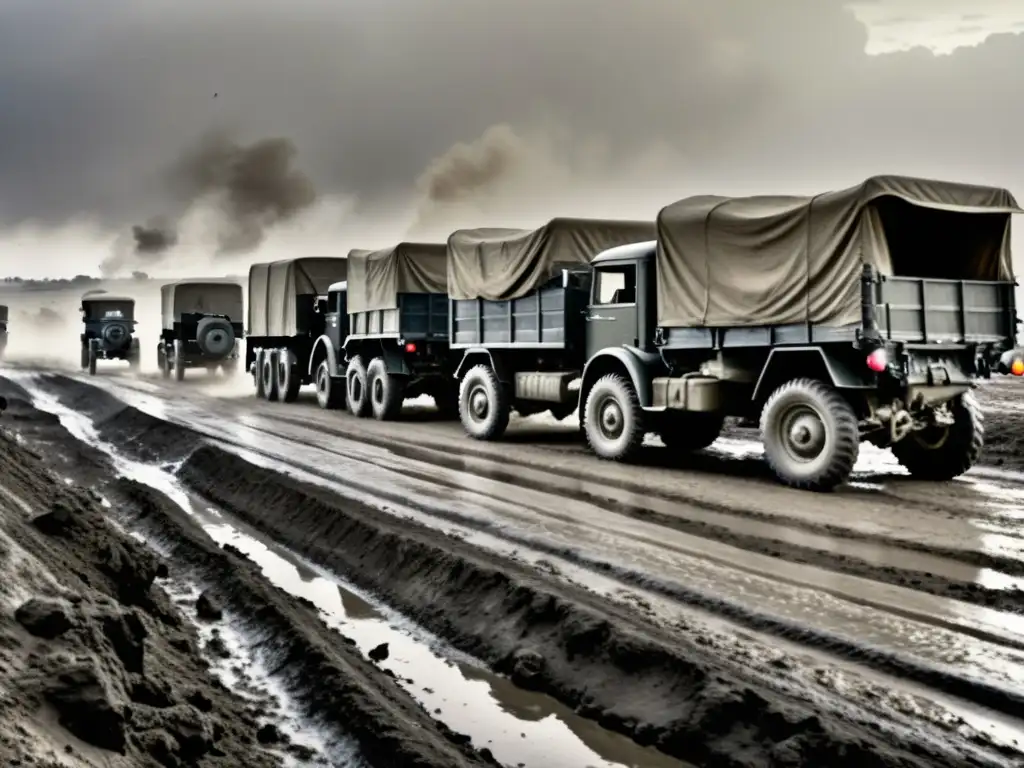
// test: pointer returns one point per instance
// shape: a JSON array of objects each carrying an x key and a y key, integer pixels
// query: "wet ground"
[{"x": 890, "y": 611}]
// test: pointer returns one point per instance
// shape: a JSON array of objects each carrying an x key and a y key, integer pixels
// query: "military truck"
[
  {"x": 397, "y": 331},
  {"x": 867, "y": 313},
  {"x": 109, "y": 330},
  {"x": 287, "y": 314},
  {"x": 3, "y": 330},
  {"x": 517, "y": 298},
  {"x": 202, "y": 325}
]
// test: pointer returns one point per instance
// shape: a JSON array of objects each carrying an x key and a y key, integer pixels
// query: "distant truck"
[
  {"x": 109, "y": 330},
  {"x": 387, "y": 339},
  {"x": 517, "y": 304},
  {"x": 863, "y": 314},
  {"x": 3, "y": 330},
  {"x": 202, "y": 325},
  {"x": 288, "y": 305}
]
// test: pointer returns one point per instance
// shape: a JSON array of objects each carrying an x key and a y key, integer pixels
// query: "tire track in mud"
[{"x": 296, "y": 538}]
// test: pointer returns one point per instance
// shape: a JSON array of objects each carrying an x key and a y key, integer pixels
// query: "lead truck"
[{"x": 865, "y": 314}]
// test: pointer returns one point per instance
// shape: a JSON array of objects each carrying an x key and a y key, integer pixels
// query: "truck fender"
[
  {"x": 332, "y": 359},
  {"x": 838, "y": 372},
  {"x": 471, "y": 358},
  {"x": 394, "y": 360},
  {"x": 631, "y": 359}
]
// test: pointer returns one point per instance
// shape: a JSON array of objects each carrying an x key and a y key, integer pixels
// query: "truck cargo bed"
[
  {"x": 549, "y": 318},
  {"x": 418, "y": 316}
]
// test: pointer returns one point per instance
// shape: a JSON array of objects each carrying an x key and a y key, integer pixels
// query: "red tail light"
[
  {"x": 410, "y": 347},
  {"x": 1017, "y": 367},
  {"x": 878, "y": 361}
]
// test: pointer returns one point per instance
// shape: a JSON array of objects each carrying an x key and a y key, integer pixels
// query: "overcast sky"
[{"x": 448, "y": 113}]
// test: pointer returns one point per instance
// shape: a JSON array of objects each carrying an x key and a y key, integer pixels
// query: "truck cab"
[{"x": 327, "y": 361}]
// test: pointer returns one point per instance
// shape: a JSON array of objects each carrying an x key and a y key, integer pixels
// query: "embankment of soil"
[
  {"x": 97, "y": 664},
  {"x": 323, "y": 668}
]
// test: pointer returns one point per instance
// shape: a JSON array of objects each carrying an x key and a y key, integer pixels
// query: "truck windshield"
[{"x": 615, "y": 285}]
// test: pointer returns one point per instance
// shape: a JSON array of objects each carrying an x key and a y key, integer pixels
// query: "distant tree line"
[{"x": 77, "y": 281}]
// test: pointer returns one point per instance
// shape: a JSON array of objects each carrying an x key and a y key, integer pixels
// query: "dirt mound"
[
  {"x": 323, "y": 667},
  {"x": 136, "y": 434},
  {"x": 96, "y": 660},
  {"x": 662, "y": 688}
]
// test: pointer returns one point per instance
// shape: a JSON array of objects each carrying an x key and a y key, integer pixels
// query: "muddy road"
[{"x": 692, "y": 605}]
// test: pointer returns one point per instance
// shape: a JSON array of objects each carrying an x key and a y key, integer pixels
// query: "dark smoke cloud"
[
  {"x": 735, "y": 95},
  {"x": 154, "y": 238}
]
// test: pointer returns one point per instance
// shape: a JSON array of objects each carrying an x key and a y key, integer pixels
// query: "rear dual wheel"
[{"x": 941, "y": 453}]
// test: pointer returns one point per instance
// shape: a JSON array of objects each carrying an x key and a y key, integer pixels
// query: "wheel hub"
[
  {"x": 378, "y": 390},
  {"x": 805, "y": 434},
  {"x": 611, "y": 419},
  {"x": 478, "y": 404}
]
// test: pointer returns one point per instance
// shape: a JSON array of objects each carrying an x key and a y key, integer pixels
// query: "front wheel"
[
  {"x": 179, "y": 360},
  {"x": 940, "y": 453},
  {"x": 811, "y": 435},
  {"x": 330, "y": 392},
  {"x": 93, "y": 354},
  {"x": 613, "y": 420},
  {"x": 484, "y": 404}
]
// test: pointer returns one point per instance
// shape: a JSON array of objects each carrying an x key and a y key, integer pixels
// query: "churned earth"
[{"x": 128, "y": 637}]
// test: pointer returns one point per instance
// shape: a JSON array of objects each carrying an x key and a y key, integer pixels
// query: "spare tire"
[
  {"x": 116, "y": 335},
  {"x": 215, "y": 337}
]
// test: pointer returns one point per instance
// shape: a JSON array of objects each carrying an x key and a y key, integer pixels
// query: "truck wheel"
[
  {"x": 614, "y": 420},
  {"x": 358, "y": 396},
  {"x": 330, "y": 392},
  {"x": 179, "y": 361},
  {"x": 484, "y": 404},
  {"x": 288, "y": 381},
  {"x": 161, "y": 361},
  {"x": 93, "y": 354},
  {"x": 269, "y": 363},
  {"x": 810, "y": 434},
  {"x": 85, "y": 357},
  {"x": 942, "y": 453},
  {"x": 688, "y": 432},
  {"x": 385, "y": 391},
  {"x": 257, "y": 374}
]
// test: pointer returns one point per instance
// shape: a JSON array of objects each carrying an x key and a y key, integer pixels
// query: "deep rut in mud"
[{"x": 676, "y": 688}]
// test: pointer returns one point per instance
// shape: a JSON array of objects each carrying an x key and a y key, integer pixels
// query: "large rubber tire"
[
  {"x": 484, "y": 404},
  {"x": 257, "y": 373},
  {"x": 386, "y": 391},
  {"x": 215, "y": 337},
  {"x": 267, "y": 373},
  {"x": 943, "y": 453},
  {"x": 687, "y": 432},
  {"x": 613, "y": 419},
  {"x": 85, "y": 356},
  {"x": 93, "y": 354},
  {"x": 358, "y": 391},
  {"x": 330, "y": 390},
  {"x": 288, "y": 380},
  {"x": 810, "y": 434},
  {"x": 178, "y": 361},
  {"x": 161, "y": 361}
]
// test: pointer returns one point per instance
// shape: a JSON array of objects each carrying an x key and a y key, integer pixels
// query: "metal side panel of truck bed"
[{"x": 419, "y": 316}]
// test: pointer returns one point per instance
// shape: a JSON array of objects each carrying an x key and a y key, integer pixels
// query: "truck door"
[{"x": 612, "y": 315}]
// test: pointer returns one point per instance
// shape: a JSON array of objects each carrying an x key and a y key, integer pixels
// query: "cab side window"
[{"x": 615, "y": 285}]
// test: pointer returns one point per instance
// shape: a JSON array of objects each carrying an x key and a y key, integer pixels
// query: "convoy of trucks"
[{"x": 865, "y": 314}]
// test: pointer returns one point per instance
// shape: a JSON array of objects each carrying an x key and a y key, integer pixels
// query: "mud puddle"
[{"x": 520, "y": 728}]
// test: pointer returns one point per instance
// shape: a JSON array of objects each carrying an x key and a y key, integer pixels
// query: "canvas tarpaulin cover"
[
  {"x": 785, "y": 260},
  {"x": 375, "y": 278},
  {"x": 275, "y": 287},
  {"x": 499, "y": 264},
  {"x": 210, "y": 297}
]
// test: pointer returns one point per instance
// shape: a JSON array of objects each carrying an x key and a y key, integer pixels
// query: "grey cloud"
[{"x": 379, "y": 96}]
